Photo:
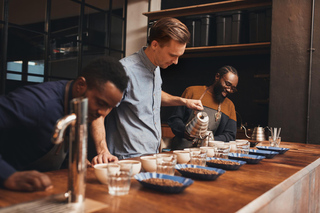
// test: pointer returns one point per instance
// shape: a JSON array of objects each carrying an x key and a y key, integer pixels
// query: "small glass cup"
[
  {"x": 119, "y": 178},
  {"x": 198, "y": 157},
  {"x": 233, "y": 147},
  {"x": 166, "y": 163},
  {"x": 222, "y": 150},
  {"x": 126, "y": 166},
  {"x": 113, "y": 168},
  {"x": 242, "y": 147},
  {"x": 136, "y": 165},
  {"x": 119, "y": 182},
  {"x": 276, "y": 142}
]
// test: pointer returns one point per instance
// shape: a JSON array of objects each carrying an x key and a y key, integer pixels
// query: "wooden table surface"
[{"x": 229, "y": 193}]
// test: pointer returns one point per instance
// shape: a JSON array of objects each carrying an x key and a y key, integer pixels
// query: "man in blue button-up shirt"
[{"x": 134, "y": 127}]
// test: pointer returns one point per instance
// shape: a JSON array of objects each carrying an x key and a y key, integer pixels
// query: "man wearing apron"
[
  {"x": 219, "y": 108},
  {"x": 28, "y": 116}
]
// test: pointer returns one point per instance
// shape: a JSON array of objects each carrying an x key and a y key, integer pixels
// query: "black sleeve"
[
  {"x": 227, "y": 130},
  {"x": 178, "y": 120}
]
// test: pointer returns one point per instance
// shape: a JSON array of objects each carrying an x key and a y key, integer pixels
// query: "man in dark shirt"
[
  {"x": 220, "y": 109},
  {"x": 29, "y": 114}
]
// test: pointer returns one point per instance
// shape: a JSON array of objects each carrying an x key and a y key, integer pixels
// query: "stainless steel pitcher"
[
  {"x": 258, "y": 133},
  {"x": 197, "y": 128},
  {"x": 198, "y": 125}
]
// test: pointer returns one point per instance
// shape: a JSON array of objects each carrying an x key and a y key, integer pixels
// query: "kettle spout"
[
  {"x": 60, "y": 127},
  {"x": 245, "y": 131}
]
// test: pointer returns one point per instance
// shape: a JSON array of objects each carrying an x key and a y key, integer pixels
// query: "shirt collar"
[{"x": 145, "y": 60}]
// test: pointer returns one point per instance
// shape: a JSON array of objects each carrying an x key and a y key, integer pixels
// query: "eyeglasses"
[{"x": 232, "y": 89}]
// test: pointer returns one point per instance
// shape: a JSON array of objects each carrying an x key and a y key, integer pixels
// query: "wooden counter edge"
[{"x": 264, "y": 200}]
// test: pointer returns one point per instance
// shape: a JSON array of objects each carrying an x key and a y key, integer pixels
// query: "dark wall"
[
  {"x": 291, "y": 21},
  {"x": 315, "y": 82},
  {"x": 201, "y": 71}
]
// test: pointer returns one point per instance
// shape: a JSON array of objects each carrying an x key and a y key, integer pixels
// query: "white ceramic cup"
[
  {"x": 210, "y": 150},
  {"x": 149, "y": 163},
  {"x": 183, "y": 156},
  {"x": 233, "y": 147},
  {"x": 191, "y": 149},
  {"x": 136, "y": 165},
  {"x": 101, "y": 172},
  {"x": 214, "y": 143},
  {"x": 113, "y": 168}
]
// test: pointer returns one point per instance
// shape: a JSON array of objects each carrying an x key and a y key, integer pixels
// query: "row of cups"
[
  {"x": 195, "y": 156},
  {"x": 118, "y": 175}
]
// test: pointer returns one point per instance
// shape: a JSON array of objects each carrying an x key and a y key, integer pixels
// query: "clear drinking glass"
[
  {"x": 119, "y": 178},
  {"x": 119, "y": 183},
  {"x": 274, "y": 141},
  {"x": 222, "y": 150},
  {"x": 166, "y": 163},
  {"x": 198, "y": 157},
  {"x": 126, "y": 166},
  {"x": 242, "y": 147}
]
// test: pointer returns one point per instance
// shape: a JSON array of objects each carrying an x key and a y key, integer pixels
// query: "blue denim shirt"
[{"x": 134, "y": 127}]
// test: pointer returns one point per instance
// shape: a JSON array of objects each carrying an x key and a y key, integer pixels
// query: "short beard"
[{"x": 217, "y": 92}]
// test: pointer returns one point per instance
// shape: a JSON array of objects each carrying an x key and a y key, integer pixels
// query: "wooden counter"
[{"x": 286, "y": 183}]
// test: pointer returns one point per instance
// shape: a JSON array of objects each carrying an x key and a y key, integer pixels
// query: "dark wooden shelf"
[
  {"x": 261, "y": 101},
  {"x": 221, "y": 50},
  {"x": 227, "y": 50},
  {"x": 262, "y": 76},
  {"x": 208, "y": 8}
]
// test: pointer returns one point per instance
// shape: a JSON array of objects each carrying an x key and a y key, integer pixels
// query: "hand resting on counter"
[
  {"x": 28, "y": 181},
  {"x": 103, "y": 157}
]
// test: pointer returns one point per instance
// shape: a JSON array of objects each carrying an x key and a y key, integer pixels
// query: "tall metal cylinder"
[{"x": 78, "y": 140}]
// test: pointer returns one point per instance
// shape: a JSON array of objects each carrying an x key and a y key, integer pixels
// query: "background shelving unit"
[
  {"x": 228, "y": 50},
  {"x": 234, "y": 49},
  {"x": 208, "y": 8}
]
